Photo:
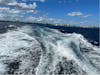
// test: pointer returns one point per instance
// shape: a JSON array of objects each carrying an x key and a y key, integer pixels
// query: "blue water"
[{"x": 39, "y": 49}]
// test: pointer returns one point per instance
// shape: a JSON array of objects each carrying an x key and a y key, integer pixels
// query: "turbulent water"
[{"x": 36, "y": 50}]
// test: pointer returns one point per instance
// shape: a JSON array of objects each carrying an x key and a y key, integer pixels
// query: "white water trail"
[
  {"x": 65, "y": 45},
  {"x": 39, "y": 50}
]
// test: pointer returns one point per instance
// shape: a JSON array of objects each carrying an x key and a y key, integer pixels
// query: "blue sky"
[{"x": 74, "y": 12}]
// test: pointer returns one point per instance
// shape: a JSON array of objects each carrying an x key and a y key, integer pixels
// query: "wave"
[{"x": 37, "y": 50}]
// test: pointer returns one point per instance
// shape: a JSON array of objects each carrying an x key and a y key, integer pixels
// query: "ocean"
[{"x": 41, "y": 49}]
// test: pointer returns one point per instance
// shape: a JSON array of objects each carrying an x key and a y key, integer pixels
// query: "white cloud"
[
  {"x": 23, "y": 5},
  {"x": 6, "y": 1},
  {"x": 85, "y": 16},
  {"x": 30, "y": 6},
  {"x": 78, "y": 14},
  {"x": 35, "y": 0},
  {"x": 17, "y": 7},
  {"x": 75, "y": 14},
  {"x": 4, "y": 9},
  {"x": 38, "y": 0},
  {"x": 13, "y": 10},
  {"x": 8, "y": 10},
  {"x": 12, "y": 3},
  {"x": 40, "y": 19},
  {"x": 1, "y": 15}
]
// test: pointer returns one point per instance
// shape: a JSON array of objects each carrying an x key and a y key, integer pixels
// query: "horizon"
[
  {"x": 52, "y": 24},
  {"x": 73, "y": 12}
]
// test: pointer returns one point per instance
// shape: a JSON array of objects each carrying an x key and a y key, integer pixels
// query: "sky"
[{"x": 73, "y": 12}]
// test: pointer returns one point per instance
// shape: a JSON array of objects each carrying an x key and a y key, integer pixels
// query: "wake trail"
[{"x": 39, "y": 50}]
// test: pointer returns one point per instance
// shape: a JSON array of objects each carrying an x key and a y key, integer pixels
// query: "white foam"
[
  {"x": 60, "y": 45},
  {"x": 56, "y": 45},
  {"x": 11, "y": 48}
]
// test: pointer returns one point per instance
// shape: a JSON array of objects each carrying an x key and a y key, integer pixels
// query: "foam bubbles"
[{"x": 44, "y": 51}]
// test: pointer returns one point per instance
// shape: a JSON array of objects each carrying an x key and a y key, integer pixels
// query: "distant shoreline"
[{"x": 50, "y": 24}]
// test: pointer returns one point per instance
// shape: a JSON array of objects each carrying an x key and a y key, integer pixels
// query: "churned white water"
[{"x": 43, "y": 51}]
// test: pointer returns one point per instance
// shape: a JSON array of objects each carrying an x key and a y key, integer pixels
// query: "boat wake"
[{"x": 36, "y": 50}]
